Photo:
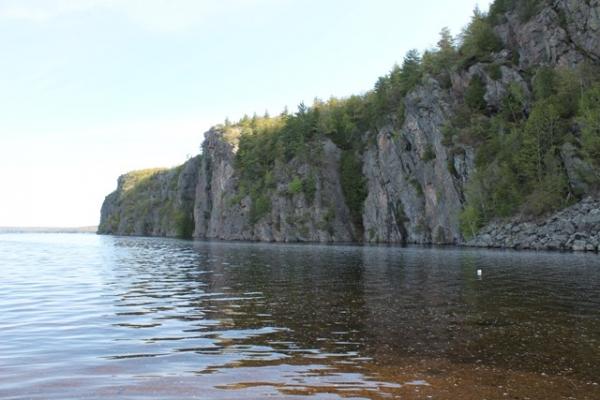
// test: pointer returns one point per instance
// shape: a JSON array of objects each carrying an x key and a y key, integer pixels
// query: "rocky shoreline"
[{"x": 575, "y": 228}]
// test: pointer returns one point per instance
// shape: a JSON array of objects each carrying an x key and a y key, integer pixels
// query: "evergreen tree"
[
  {"x": 590, "y": 121},
  {"x": 479, "y": 39},
  {"x": 411, "y": 71},
  {"x": 446, "y": 42},
  {"x": 474, "y": 95}
]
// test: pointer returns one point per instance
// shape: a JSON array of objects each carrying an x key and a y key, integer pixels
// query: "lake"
[{"x": 99, "y": 317}]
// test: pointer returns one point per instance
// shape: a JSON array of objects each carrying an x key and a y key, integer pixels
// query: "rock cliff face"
[
  {"x": 565, "y": 33},
  {"x": 221, "y": 214},
  {"x": 156, "y": 202},
  {"x": 412, "y": 195},
  {"x": 415, "y": 179}
]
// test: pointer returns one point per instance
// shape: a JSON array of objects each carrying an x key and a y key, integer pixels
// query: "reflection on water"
[{"x": 84, "y": 316}]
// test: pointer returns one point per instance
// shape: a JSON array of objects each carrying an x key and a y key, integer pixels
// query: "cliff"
[
  {"x": 450, "y": 148},
  {"x": 152, "y": 202},
  {"x": 222, "y": 212}
]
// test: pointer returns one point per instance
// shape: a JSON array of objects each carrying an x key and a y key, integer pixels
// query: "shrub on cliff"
[
  {"x": 474, "y": 95},
  {"x": 353, "y": 185},
  {"x": 589, "y": 117},
  {"x": 184, "y": 224}
]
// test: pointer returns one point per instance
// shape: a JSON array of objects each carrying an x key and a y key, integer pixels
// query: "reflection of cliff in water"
[
  {"x": 143, "y": 316},
  {"x": 391, "y": 303}
]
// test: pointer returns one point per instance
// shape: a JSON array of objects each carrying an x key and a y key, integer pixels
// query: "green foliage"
[
  {"x": 528, "y": 8},
  {"x": 417, "y": 186},
  {"x": 134, "y": 179},
  {"x": 470, "y": 221},
  {"x": 518, "y": 159},
  {"x": 525, "y": 9},
  {"x": 474, "y": 95},
  {"x": 261, "y": 206},
  {"x": 184, "y": 224},
  {"x": 389, "y": 92},
  {"x": 551, "y": 191},
  {"x": 267, "y": 144},
  {"x": 295, "y": 186},
  {"x": 411, "y": 72},
  {"x": 517, "y": 144},
  {"x": 513, "y": 104},
  {"x": 353, "y": 185},
  {"x": 589, "y": 117},
  {"x": 494, "y": 71},
  {"x": 543, "y": 131},
  {"x": 147, "y": 202},
  {"x": 491, "y": 192},
  {"x": 326, "y": 223},
  {"x": 309, "y": 187},
  {"x": 479, "y": 40},
  {"x": 441, "y": 61},
  {"x": 429, "y": 153},
  {"x": 544, "y": 83},
  {"x": 498, "y": 9}
]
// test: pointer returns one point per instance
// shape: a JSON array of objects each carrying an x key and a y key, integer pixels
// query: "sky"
[{"x": 91, "y": 89}]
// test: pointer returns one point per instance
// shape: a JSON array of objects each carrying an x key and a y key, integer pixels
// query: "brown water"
[{"x": 91, "y": 317}]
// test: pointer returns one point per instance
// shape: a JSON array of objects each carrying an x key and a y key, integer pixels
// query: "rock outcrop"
[
  {"x": 564, "y": 33},
  {"x": 412, "y": 194},
  {"x": 415, "y": 179},
  {"x": 220, "y": 213},
  {"x": 155, "y": 202}
]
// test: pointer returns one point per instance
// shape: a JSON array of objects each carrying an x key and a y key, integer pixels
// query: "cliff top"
[{"x": 131, "y": 179}]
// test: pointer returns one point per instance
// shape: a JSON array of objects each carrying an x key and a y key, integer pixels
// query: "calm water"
[{"x": 83, "y": 316}]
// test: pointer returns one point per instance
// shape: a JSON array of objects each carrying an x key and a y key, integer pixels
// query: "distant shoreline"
[{"x": 18, "y": 229}]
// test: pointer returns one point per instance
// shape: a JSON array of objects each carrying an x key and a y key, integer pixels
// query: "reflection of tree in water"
[
  {"x": 529, "y": 311},
  {"x": 315, "y": 293},
  {"x": 390, "y": 303}
]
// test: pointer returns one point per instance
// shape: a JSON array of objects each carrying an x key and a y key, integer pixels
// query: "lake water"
[{"x": 85, "y": 316}]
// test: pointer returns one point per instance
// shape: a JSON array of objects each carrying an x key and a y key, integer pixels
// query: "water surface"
[{"x": 96, "y": 317}]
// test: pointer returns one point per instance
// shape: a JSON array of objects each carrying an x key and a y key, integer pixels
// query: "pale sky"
[{"x": 90, "y": 89}]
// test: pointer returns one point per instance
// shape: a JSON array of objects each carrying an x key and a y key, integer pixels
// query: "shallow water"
[{"x": 85, "y": 316}]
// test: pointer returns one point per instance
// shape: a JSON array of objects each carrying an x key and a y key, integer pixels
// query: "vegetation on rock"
[{"x": 514, "y": 122}]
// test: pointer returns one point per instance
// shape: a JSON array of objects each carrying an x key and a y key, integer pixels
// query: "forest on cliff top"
[{"x": 517, "y": 145}]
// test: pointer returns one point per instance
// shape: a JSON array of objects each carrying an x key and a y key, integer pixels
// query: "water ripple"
[{"x": 84, "y": 316}]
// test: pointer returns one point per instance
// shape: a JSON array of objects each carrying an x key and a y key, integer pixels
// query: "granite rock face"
[
  {"x": 564, "y": 32},
  {"x": 412, "y": 195},
  {"x": 156, "y": 202},
  {"x": 221, "y": 214},
  {"x": 415, "y": 179}
]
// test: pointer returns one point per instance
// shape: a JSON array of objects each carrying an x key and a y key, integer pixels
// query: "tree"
[
  {"x": 551, "y": 192},
  {"x": 544, "y": 83},
  {"x": 513, "y": 104},
  {"x": 411, "y": 70},
  {"x": 441, "y": 60},
  {"x": 474, "y": 95},
  {"x": 589, "y": 117},
  {"x": 479, "y": 39},
  {"x": 542, "y": 132},
  {"x": 446, "y": 42}
]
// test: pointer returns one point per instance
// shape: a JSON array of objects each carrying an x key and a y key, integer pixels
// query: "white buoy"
[{"x": 479, "y": 273}]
